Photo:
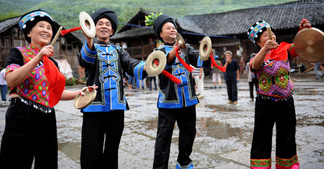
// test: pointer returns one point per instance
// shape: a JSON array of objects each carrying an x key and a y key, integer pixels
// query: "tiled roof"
[
  {"x": 6, "y": 24},
  {"x": 282, "y": 16},
  {"x": 134, "y": 20},
  {"x": 136, "y": 32},
  {"x": 185, "y": 24}
]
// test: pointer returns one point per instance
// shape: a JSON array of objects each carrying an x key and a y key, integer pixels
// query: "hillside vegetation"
[{"x": 66, "y": 12}]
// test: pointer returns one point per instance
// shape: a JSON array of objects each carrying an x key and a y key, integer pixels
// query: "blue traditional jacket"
[
  {"x": 103, "y": 67},
  {"x": 172, "y": 95}
]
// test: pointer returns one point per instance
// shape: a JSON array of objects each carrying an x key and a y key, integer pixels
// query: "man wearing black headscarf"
[
  {"x": 103, "y": 120},
  {"x": 176, "y": 103}
]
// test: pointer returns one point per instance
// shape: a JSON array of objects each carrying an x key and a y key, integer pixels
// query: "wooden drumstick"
[
  {"x": 56, "y": 35},
  {"x": 269, "y": 32}
]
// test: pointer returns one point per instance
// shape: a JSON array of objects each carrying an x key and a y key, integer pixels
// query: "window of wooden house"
[
  {"x": 137, "y": 51},
  {"x": 69, "y": 47},
  {"x": 147, "y": 50},
  {"x": 1, "y": 42},
  {"x": 129, "y": 51},
  {"x": 56, "y": 46},
  {"x": 134, "y": 42},
  {"x": 7, "y": 43},
  {"x": 15, "y": 33},
  {"x": 17, "y": 42},
  {"x": 63, "y": 40}
]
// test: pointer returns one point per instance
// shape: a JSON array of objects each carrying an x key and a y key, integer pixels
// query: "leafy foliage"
[
  {"x": 149, "y": 20},
  {"x": 67, "y": 12}
]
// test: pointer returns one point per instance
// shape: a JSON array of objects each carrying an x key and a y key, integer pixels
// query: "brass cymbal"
[
  {"x": 309, "y": 45},
  {"x": 152, "y": 68},
  {"x": 81, "y": 102},
  {"x": 181, "y": 41},
  {"x": 205, "y": 48},
  {"x": 87, "y": 24}
]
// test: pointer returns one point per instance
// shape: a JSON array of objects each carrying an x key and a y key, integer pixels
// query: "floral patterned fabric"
[
  {"x": 36, "y": 84},
  {"x": 274, "y": 79}
]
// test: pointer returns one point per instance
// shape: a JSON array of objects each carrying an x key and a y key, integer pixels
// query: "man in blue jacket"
[
  {"x": 103, "y": 120},
  {"x": 175, "y": 102}
]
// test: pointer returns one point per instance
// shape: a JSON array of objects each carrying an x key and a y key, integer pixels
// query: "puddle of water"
[
  {"x": 320, "y": 152},
  {"x": 71, "y": 149},
  {"x": 150, "y": 124},
  {"x": 208, "y": 88},
  {"x": 129, "y": 94},
  {"x": 311, "y": 121},
  {"x": 307, "y": 124},
  {"x": 205, "y": 127},
  {"x": 307, "y": 91},
  {"x": 223, "y": 108},
  {"x": 220, "y": 159},
  {"x": 307, "y": 100},
  {"x": 137, "y": 105},
  {"x": 220, "y": 130}
]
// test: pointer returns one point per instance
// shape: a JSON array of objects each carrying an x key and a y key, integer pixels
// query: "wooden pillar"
[
  {"x": 60, "y": 46},
  {"x": 1, "y": 49},
  {"x": 142, "y": 51},
  {"x": 12, "y": 37},
  {"x": 65, "y": 43},
  {"x": 19, "y": 37}
]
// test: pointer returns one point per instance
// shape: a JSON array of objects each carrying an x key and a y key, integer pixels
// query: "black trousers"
[
  {"x": 154, "y": 80},
  {"x": 186, "y": 120},
  {"x": 268, "y": 113},
  {"x": 29, "y": 134},
  {"x": 231, "y": 90},
  {"x": 251, "y": 84},
  {"x": 101, "y": 134}
]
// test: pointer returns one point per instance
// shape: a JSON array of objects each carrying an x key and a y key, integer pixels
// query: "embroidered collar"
[
  {"x": 34, "y": 47},
  {"x": 103, "y": 43},
  {"x": 169, "y": 44}
]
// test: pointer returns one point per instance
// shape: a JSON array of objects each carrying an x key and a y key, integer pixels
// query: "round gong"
[
  {"x": 309, "y": 44},
  {"x": 81, "y": 102},
  {"x": 87, "y": 24},
  {"x": 155, "y": 63},
  {"x": 205, "y": 48}
]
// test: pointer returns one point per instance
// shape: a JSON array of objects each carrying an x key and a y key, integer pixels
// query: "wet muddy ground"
[{"x": 224, "y": 131}]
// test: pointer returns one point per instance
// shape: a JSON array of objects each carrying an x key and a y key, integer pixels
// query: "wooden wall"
[{"x": 65, "y": 47}]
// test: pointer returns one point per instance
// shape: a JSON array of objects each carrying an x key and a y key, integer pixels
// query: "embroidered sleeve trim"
[
  {"x": 87, "y": 54},
  {"x": 138, "y": 72},
  {"x": 11, "y": 68}
]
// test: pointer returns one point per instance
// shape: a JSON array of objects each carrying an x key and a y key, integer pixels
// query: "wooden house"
[
  {"x": 66, "y": 47},
  {"x": 141, "y": 40},
  {"x": 138, "y": 37},
  {"x": 228, "y": 30}
]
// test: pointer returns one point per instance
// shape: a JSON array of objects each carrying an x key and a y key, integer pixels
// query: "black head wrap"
[
  {"x": 106, "y": 13},
  {"x": 29, "y": 20},
  {"x": 160, "y": 21}
]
